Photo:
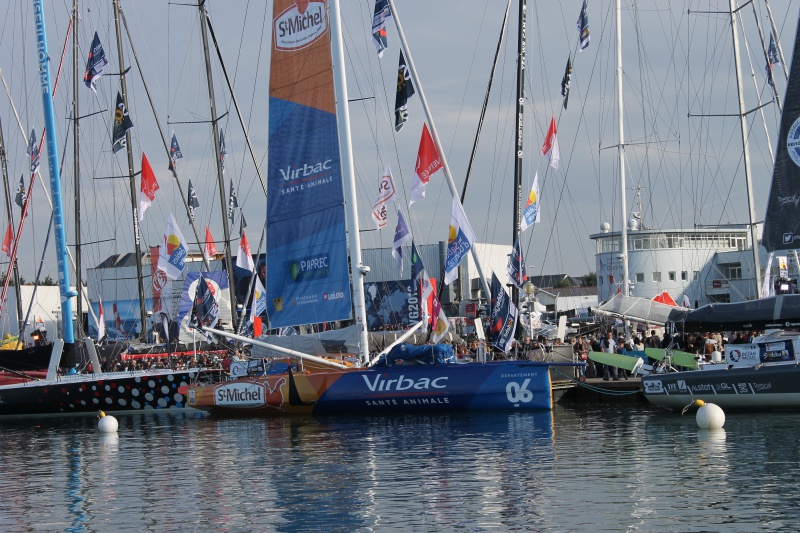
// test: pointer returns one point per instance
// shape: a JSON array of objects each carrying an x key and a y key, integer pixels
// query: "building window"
[
  {"x": 731, "y": 270},
  {"x": 640, "y": 277},
  {"x": 684, "y": 276},
  {"x": 696, "y": 275},
  {"x": 672, "y": 276},
  {"x": 657, "y": 276}
]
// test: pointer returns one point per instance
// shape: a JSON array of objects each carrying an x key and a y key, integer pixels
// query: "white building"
[
  {"x": 43, "y": 310},
  {"x": 706, "y": 265}
]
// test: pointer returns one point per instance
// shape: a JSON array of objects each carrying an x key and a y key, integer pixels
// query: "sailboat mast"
[
  {"x": 4, "y": 166},
  {"x": 55, "y": 175},
  {"x": 520, "y": 125},
  {"x": 357, "y": 270},
  {"x": 76, "y": 167},
  {"x": 434, "y": 134},
  {"x": 746, "y": 148},
  {"x": 621, "y": 153},
  {"x": 131, "y": 179},
  {"x": 220, "y": 179}
]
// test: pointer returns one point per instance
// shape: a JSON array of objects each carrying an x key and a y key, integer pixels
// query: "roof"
[{"x": 553, "y": 280}]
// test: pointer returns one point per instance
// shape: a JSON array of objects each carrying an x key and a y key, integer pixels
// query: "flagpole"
[
  {"x": 520, "y": 122},
  {"x": 4, "y": 167},
  {"x": 132, "y": 181},
  {"x": 357, "y": 269},
  {"x": 434, "y": 134}
]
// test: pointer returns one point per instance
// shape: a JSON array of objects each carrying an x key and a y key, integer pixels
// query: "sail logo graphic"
[
  {"x": 300, "y": 26},
  {"x": 295, "y": 172},
  {"x": 793, "y": 142},
  {"x": 316, "y": 267},
  {"x": 176, "y": 252},
  {"x": 240, "y": 394}
]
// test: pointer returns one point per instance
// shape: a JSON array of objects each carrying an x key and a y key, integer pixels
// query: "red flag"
[
  {"x": 257, "y": 327},
  {"x": 9, "y": 238},
  {"x": 244, "y": 259},
  {"x": 211, "y": 248},
  {"x": 147, "y": 192},
  {"x": 428, "y": 162},
  {"x": 551, "y": 144}
]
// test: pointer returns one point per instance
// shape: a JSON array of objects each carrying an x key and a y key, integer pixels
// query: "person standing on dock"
[
  {"x": 609, "y": 345},
  {"x": 580, "y": 351}
]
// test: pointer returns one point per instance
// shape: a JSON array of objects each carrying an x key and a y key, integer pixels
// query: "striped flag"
[{"x": 583, "y": 28}]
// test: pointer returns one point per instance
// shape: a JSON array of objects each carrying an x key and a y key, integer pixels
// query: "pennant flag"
[
  {"x": 440, "y": 322},
  {"x": 405, "y": 90},
  {"x": 33, "y": 151},
  {"x": 503, "y": 321},
  {"x": 19, "y": 199},
  {"x": 531, "y": 213},
  {"x": 386, "y": 195},
  {"x": 772, "y": 60},
  {"x": 101, "y": 321},
  {"x": 172, "y": 255},
  {"x": 428, "y": 162},
  {"x": 259, "y": 305},
  {"x": 233, "y": 203},
  {"x": 222, "y": 152},
  {"x": 459, "y": 242},
  {"x": 192, "y": 201},
  {"x": 96, "y": 64},
  {"x": 211, "y": 248},
  {"x": 174, "y": 152},
  {"x": 551, "y": 144},
  {"x": 244, "y": 259},
  {"x": 205, "y": 310},
  {"x": 516, "y": 266},
  {"x": 122, "y": 123},
  {"x": 420, "y": 277},
  {"x": 147, "y": 191},
  {"x": 566, "y": 80},
  {"x": 382, "y": 12},
  {"x": 8, "y": 240},
  {"x": 583, "y": 28},
  {"x": 402, "y": 236}
]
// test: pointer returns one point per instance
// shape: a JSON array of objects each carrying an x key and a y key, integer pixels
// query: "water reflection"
[{"x": 583, "y": 468}]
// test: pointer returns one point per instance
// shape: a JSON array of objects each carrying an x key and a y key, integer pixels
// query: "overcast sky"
[{"x": 688, "y": 169}]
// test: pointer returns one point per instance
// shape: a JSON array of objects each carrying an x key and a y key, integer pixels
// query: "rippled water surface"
[{"x": 580, "y": 468}]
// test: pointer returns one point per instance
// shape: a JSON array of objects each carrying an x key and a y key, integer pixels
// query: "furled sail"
[
  {"x": 782, "y": 222},
  {"x": 307, "y": 267}
]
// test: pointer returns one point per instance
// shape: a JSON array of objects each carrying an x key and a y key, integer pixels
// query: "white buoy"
[
  {"x": 709, "y": 415},
  {"x": 107, "y": 423}
]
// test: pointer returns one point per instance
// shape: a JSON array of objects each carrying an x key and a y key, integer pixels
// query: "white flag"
[
  {"x": 244, "y": 259},
  {"x": 531, "y": 214},
  {"x": 101, "y": 321},
  {"x": 386, "y": 195},
  {"x": 173, "y": 251},
  {"x": 551, "y": 144},
  {"x": 259, "y": 304},
  {"x": 459, "y": 242}
]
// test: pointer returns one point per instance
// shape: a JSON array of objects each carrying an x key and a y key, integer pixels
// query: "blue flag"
[
  {"x": 583, "y": 28},
  {"x": 460, "y": 241},
  {"x": 223, "y": 153},
  {"x": 205, "y": 311},
  {"x": 96, "y": 64},
  {"x": 772, "y": 60},
  {"x": 192, "y": 200},
  {"x": 122, "y": 123},
  {"x": 402, "y": 236},
  {"x": 19, "y": 199},
  {"x": 382, "y": 12},
  {"x": 503, "y": 321},
  {"x": 174, "y": 152},
  {"x": 516, "y": 265}
]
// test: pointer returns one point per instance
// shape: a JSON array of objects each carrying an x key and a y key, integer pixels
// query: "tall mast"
[
  {"x": 132, "y": 180},
  {"x": 746, "y": 148},
  {"x": 357, "y": 270},
  {"x": 76, "y": 134},
  {"x": 4, "y": 166},
  {"x": 220, "y": 179},
  {"x": 520, "y": 125},
  {"x": 621, "y": 153},
  {"x": 434, "y": 134},
  {"x": 55, "y": 176}
]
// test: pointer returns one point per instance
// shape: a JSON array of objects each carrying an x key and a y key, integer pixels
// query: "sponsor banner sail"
[
  {"x": 308, "y": 278},
  {"x": 782, "y": 221}
]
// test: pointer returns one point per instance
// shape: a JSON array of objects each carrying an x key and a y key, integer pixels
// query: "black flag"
[
  {"x": 122, "y": 123},
  {"x": 192, "y": 200},
  {"x": 233, "y": 203},
  {"x": 405, "y": 90},
  {"x": 19, "y": 199},
  {"x": 565, "y": 81}
]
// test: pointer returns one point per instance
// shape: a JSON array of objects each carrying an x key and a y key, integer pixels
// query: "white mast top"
[{"x": 621, "y": 152}]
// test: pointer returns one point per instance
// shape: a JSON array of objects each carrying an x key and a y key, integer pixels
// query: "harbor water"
[{"x": 579, "y": 468}]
